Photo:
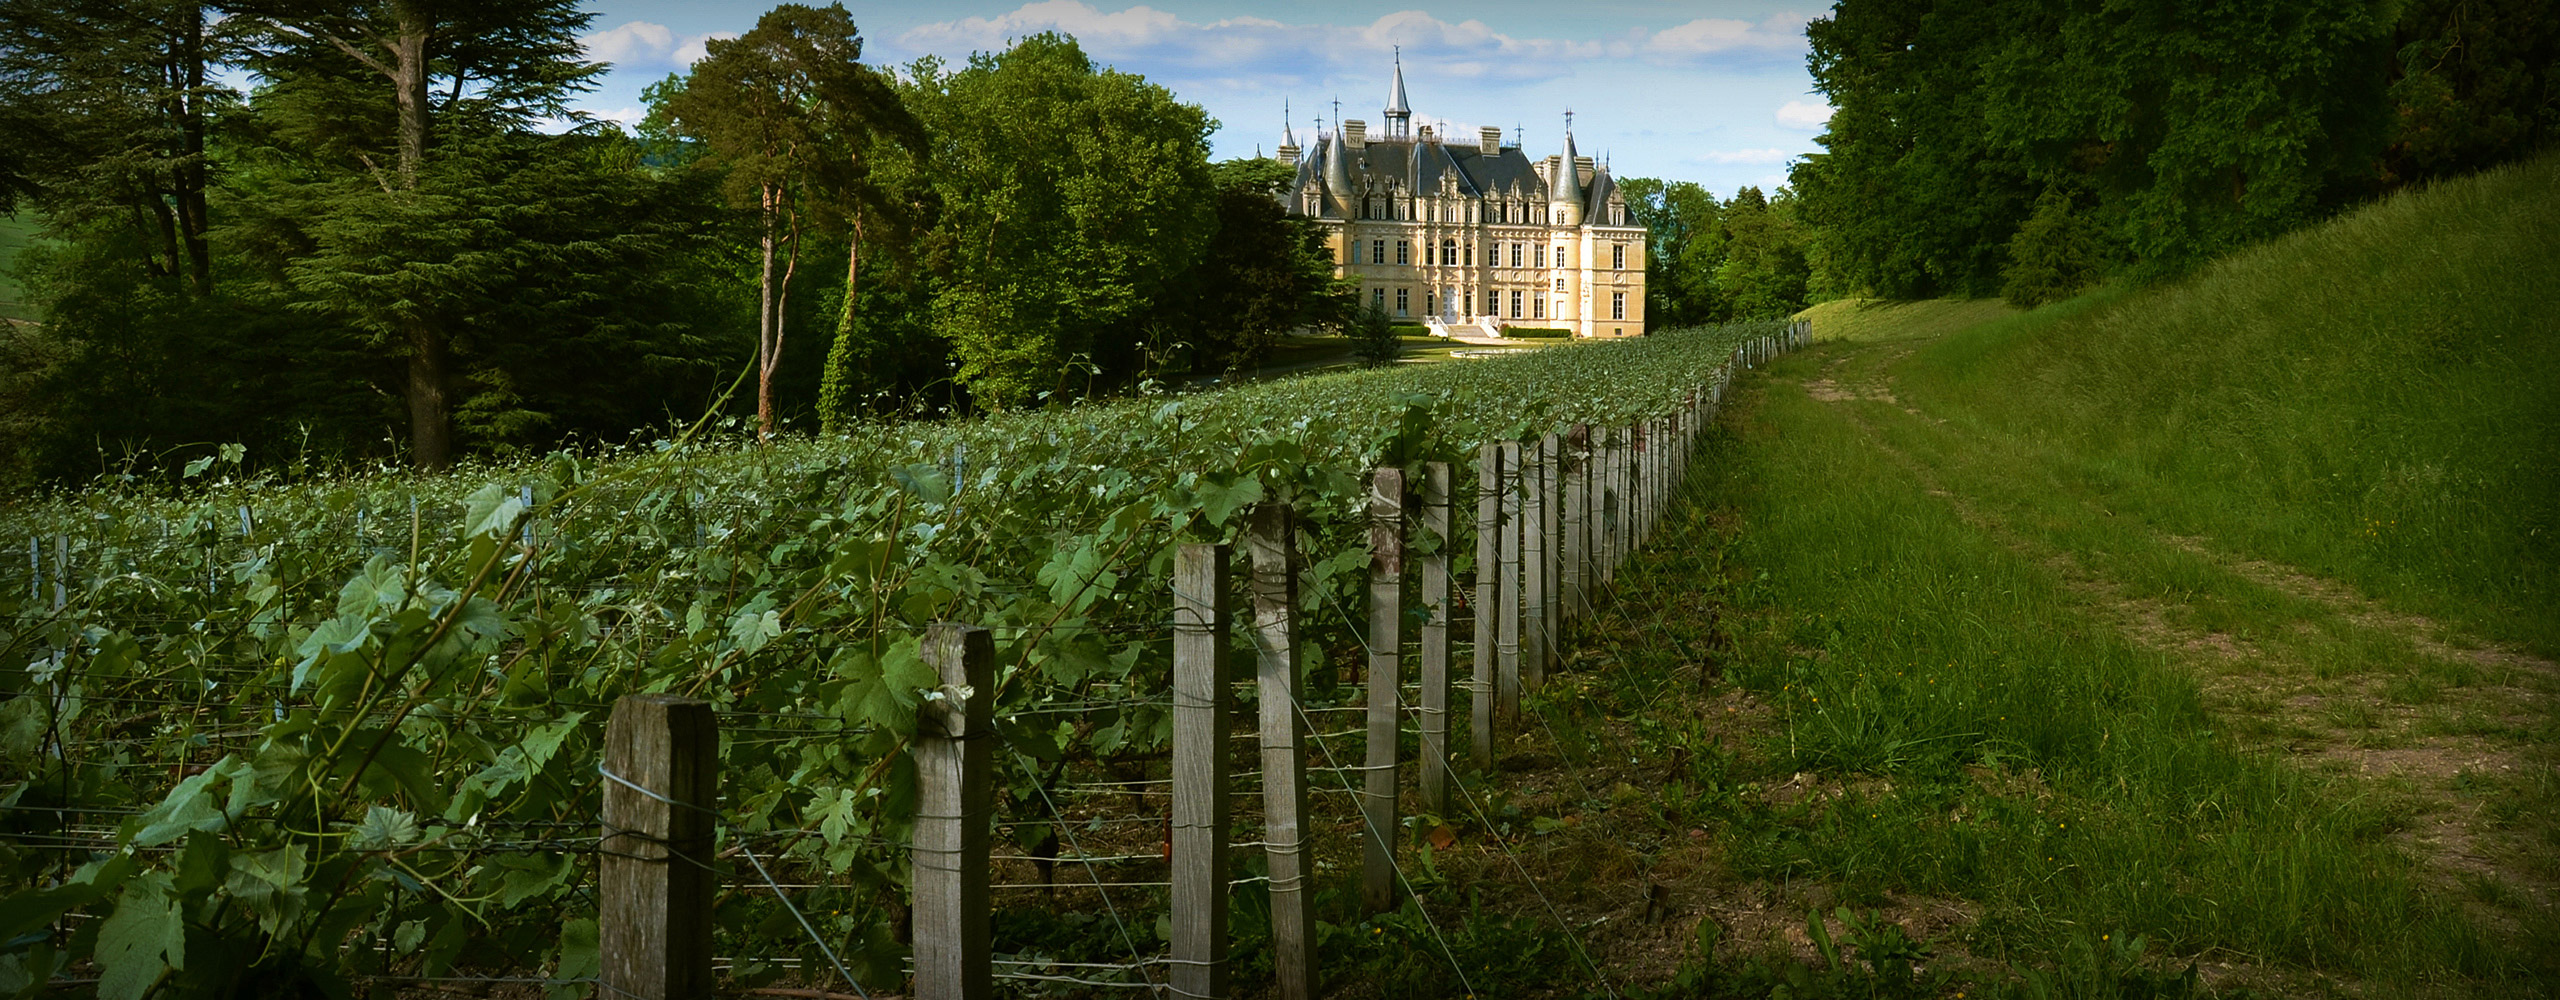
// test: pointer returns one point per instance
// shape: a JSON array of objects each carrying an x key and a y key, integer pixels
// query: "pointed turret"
[
  {"x": 1399, "y": 113},
  {"x": 1337, "y": 175},
  {"x": 1564, "y": 190},
  {"x": 1288, "y": 136}
]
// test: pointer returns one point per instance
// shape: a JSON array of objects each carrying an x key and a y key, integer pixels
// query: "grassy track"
[{"x": 2217, "y": 613}]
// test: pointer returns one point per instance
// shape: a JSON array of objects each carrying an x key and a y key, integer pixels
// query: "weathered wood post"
[
  {"x": 1578, "y": 520},
  {"x": 1271, "y": 542},
  {"x": 1534, "y": 582},
  {"x": 1435, "y": 638},
  {"x": 1506, "y": 697},
  {"x": 955, "y": 807},
  {"x": 1384, "y": 688},
  {"x": 1201, "y": 618},
  {"x": 1487, "y": 598},
  {"x": 1551, "y": 525},
  {"x": 654, "y": 874}
]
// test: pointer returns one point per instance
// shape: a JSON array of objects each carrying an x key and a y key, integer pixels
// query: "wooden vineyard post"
[
  {"x": 1384, "y": 687},
  {"x": 654, "y": 875},
  {"x": 1614, "y": 507},
  {"x": 954, "y": 805},
  {"x": 1487, "y": 597},
  {"x": 1435, "y": 638},
  {"x": 1577, "y": 523},
  {"x": 1271, "y": 543},
  {"x": 1200, "y": 623},
  {"x": 1506, "y": 697},
  {"x": 1638, "y": 453},
  {"x": 1534, "y": 541},
  {"x": 1551, "y": 526}
]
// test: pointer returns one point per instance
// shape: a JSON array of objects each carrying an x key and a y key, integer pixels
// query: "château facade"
[{"x": 1470, "y": 237}]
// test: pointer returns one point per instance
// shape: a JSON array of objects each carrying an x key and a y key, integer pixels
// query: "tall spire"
[
  {"x": 1288, "y": 130},
  {"x": 1564, "y": 192},
  {"x": 1399, "y": 114}
]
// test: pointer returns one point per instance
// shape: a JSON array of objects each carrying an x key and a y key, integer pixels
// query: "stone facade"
[{"x": 1471, "y": 236}]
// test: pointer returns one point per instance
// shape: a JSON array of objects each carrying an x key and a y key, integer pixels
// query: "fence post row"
[
  {"x": 1384, "y": 687},
  {"x": 654, "y": 877},
  {"x": 1201, "y": 620},
  {"x": 1555, "y": 517}
]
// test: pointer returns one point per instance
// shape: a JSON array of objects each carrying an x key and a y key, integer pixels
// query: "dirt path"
[{"x": 2415, "y": 713}]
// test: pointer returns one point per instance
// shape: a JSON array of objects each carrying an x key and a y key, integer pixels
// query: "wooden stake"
[
  {"x": 1577, "y": 524},
  {"x": 1551, "y": 532},
  {"x": 1200, "y": 623},
  {"x": 1534, "y": 581},
  {"x": 955, "y": 756},
  {"x": 1384, "y": 687},
  {"x": 1488, "y": 598},
  {"x": 1435, "y": 638},
  {"x": 1506, "y": 696},
  {"x": 1270, "y": 541},
  {"x": 654, "y": 875}
]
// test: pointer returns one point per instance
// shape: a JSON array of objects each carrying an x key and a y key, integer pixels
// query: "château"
[{"x": 1470, "y": 237}]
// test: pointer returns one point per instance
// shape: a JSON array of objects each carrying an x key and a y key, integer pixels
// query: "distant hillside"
[{"x": 2375, "y": 399}]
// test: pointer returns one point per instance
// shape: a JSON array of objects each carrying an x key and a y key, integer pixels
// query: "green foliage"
[
  {"x": 1764, "y": 274},
  {"x": 1073, "y": 197},
  {"x": 2188, "y": 133},
  {"x": 1747, "y": 258},
  {"x": 1536, "y": 332},
  {"x": 2053, "y": 255},
  {"x": 1266, "y": 273},
  {"x": 1374, "y": 339},
  {"x": 373, "y": 702}
]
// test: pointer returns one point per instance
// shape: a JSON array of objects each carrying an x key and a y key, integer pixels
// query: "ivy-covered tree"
[{"x": 1073, "y": 199}]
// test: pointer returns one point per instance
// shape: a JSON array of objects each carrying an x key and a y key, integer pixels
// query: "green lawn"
[
  {"x": 2217, "y": 612},
  {"x": 15, "y": 232}
]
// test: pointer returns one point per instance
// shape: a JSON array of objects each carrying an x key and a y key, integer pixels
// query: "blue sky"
[{"x": 1710, "y": 92}]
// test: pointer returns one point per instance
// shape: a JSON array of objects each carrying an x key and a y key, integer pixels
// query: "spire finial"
[{"x": 1568, "y": 120}]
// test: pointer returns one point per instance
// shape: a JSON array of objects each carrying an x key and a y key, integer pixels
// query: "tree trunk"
[
  {"x": 430, "y": 412},
  {"x": 768, "y": 314},
  {"x": 430, "y": 441},
  {"x": 188, "y": 34}
]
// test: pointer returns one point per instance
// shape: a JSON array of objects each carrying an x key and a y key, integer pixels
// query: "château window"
[
  {"x": 1618, "y": 256},
  {"x": 1559, "y": 284},
  {"x": 1430, "y": 303},
  {"x": 1377, "y": 251},
  {"x": 1492, "y": 302},
  {"x": 1540, "y": 306},
  {"x": 1515, "y": 303},
  {"x": 1403, "y": 302},
  {"x": 1559, "y": 255},
  {"x": 1617, "y": 305},
  {"x": 1516, "y": 250},
  {"x": 1404, "y": 251},
  {"x": 1378, "y": 298},
  {"x": 1449, "y": 253},
  {"x": 1471, "y": 255},
  {"x": 1542, "y": 257}
]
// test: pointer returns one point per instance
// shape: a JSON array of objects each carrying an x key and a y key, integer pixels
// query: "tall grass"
[{"x": 2375, "y": 400}]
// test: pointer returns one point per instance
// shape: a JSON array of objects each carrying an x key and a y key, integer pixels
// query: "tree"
[
  {"x": 1685, "y": 231},
  {"x": 1074, "y": 199},
  {"x": 1266, "y": 273},
  {"x": 107, "y": 105},
  {"x": 2053, "y": 254},
  {"x": 1764, "y": 274},
  {"x": 340, "y": 72},
  {"x": 790, "y": 115}
]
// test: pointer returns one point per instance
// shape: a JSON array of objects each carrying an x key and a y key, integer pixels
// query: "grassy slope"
[
  {"x": 2206, "y": 612},
  {"x": 14, "y": 234}
]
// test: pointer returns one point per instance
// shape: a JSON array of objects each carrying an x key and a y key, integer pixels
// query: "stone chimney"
[
  {"x": 1356, "y": 133},
  {"x": 1582, "y": 167},
  {"x": 1492, "y": 139},
  {"x": 1424, "y": 132}
]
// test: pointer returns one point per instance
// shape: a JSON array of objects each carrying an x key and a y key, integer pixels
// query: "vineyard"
[{"x": 283, "y": 734}]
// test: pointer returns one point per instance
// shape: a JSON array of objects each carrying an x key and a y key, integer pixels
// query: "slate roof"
[{"x": 1419, "y": 167}]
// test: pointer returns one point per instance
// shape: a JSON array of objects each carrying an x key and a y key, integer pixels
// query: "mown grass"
[
  {"x": 2041, "y": 602},
  {"x": 2375, "y": 400}
]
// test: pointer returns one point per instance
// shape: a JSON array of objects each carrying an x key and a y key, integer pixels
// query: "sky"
[{"x": 1712, "y": 92}]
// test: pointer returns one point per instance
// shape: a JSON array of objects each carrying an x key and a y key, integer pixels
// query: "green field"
[
  {"x": 15, "y": 232},
  {"x": 2216, "y": 612}
]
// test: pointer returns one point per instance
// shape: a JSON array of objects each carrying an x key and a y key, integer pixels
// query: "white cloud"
[
  {"x": 646, "y": 46},
  {"x": 1772, "y": 155},
  {"x": 1277, "y": 53},
  {"x": 1804, "y": 116}
]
